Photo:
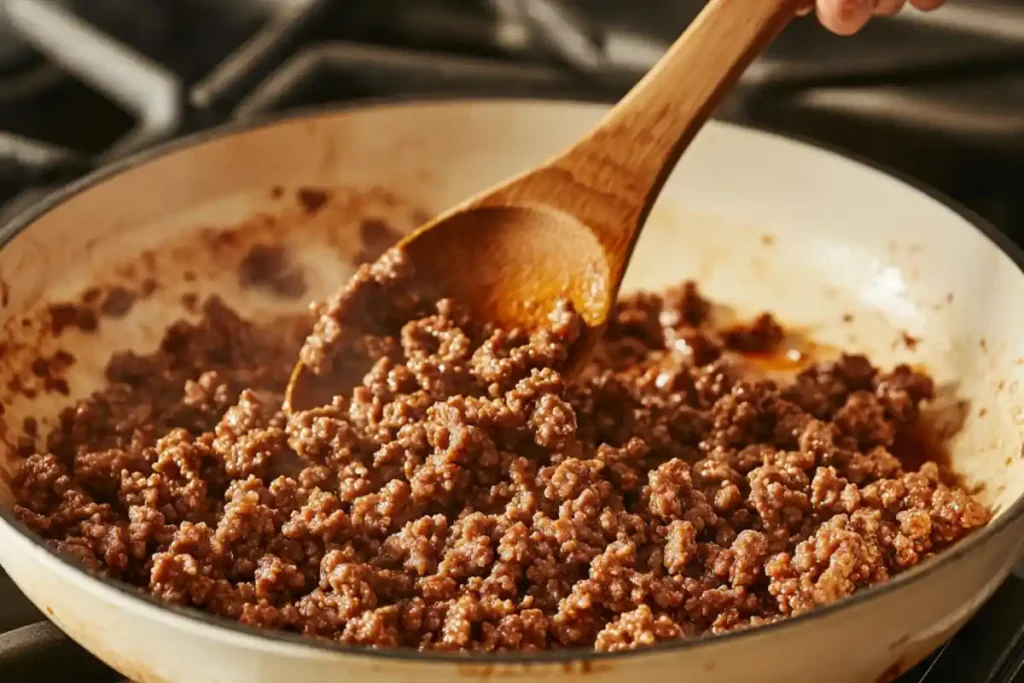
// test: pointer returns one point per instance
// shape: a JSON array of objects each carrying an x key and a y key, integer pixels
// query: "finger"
[
  {"x": 887, "y": 8},
  {"x": 845, "y": 17},
  {"x": 805, "y": 9},
  {"x": 927, "y": 5}
]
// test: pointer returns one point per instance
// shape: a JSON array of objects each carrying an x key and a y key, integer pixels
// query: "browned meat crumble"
[{"x": 465, "y": 496}]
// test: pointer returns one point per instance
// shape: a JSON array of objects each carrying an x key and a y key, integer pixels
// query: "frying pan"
[{"x": 842, "y": 252}]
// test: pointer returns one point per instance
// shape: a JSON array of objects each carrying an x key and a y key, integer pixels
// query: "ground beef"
[{"x": 462, "y": 494}]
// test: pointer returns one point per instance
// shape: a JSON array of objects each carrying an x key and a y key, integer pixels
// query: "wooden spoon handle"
[{"x": 634, "y": 148}]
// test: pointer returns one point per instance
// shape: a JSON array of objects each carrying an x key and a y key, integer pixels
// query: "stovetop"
[{"x": 83, "y": 82}]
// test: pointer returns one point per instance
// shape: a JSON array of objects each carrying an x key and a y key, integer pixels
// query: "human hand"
[{"x": 846, "y": 17}]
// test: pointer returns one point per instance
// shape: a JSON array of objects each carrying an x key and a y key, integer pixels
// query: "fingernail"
[{"x": 846, "y": 16}]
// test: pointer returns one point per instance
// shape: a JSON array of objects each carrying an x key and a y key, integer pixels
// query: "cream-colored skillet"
[{"x": 851, "y": 256}]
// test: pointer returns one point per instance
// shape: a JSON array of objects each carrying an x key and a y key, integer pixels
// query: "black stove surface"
[{"x": 84, "y": 82}]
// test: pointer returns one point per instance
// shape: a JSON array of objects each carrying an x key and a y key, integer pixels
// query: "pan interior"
[{"x": 848, "y": 256}]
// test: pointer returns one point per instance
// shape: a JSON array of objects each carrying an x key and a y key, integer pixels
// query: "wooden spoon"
[{"x": 567, "y": 228}]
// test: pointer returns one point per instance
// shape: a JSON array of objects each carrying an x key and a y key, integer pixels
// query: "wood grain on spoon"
[{"x": 567, "y": 228}]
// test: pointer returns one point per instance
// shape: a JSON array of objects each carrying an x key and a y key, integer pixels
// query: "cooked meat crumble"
[{"x": 466, "y": 496}]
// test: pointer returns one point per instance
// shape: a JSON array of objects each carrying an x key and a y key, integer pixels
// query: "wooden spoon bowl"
[{"x": 536, "y": 256}]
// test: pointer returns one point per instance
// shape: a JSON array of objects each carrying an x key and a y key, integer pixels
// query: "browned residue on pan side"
[
  {"x": 584, "y": 667},
  {"x": 268, "y": 266},
  {"x": 376, "y": 236},
  {"x": 572, "y": 668},
  {"x": 312, "y": 199},
  {"x": 114, "y": 293},
  {"x": 899, "y": 642},
  {"x": 908, "y": 341},
  {"x": 916, "y": 653},
  {"x": 891, "y": 674}
]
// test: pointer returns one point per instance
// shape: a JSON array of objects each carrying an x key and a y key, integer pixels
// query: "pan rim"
[{"x": 194, "y": 617}]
